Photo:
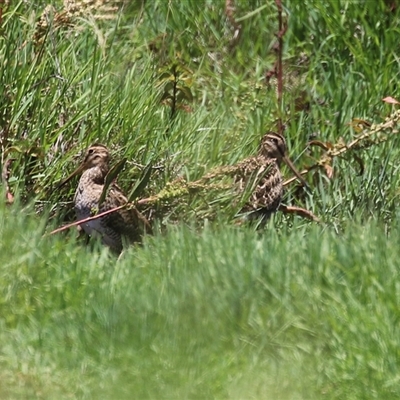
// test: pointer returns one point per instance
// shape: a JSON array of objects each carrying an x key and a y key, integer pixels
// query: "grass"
[
  {"x": 223, "y": 313},
  {"x": 204, "y": 308}
]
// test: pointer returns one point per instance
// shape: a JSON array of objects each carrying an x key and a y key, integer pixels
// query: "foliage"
[
  {"x": 180, "y": 90},
  {"x": 123, "y": 81}
]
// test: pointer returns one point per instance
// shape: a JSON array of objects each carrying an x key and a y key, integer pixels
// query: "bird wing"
[
  {"x": 128, "y": 221},
  {"x": 261, "y": 183}
]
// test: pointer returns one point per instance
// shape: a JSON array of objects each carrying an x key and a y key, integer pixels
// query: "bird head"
[
  {"x": 273, "y": 145},
  {"x": 96, "y": 155}
]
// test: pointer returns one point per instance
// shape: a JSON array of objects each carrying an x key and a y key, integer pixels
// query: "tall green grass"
[{"x": 103, "y": 81}]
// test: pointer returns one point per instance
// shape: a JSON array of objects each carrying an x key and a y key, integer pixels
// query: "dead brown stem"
[
  {"x": 302, "y": 212},
  {"x": 237, "y": 28},
  {"x": 83, "y": 221},
  {"x": 5, "y": 176},
  {"x": 361, "y": 141},
  {"x": 1, "y": 12}
]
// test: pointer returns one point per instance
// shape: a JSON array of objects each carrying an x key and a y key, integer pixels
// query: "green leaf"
[
  {"x": 186, "y": 93},
  {"x": 112, "y": 174},
  {"x": 141, "y": 183}
]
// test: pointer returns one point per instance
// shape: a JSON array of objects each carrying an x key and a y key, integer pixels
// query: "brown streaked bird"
[
  {"x": 264, "y": 171},
  {"x": 128, "y": 223}
]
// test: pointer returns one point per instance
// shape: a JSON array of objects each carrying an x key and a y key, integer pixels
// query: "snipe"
[
  {"x": 128, "y": 223},
  {"x": 264, "y": 171}
]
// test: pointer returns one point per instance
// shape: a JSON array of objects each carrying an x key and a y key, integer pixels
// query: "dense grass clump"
[
  {"x": 205, "y": 308},
  {"x": 223, "y": 313}
]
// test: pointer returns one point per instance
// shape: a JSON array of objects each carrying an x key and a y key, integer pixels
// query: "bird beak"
[
  {"x": 78, "y": 171},
  {"x": 287, "y": 161}
]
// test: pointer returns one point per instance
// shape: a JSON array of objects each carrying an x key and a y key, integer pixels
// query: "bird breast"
[{"x": 86, "y": 201}]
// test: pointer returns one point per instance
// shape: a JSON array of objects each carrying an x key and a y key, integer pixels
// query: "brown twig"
[
  {"x": 282, "y": 30},
  {"x": 299, "y": 211},
  {"x": 277, "y": 70},
  {"x": 237, "y": 28},
  {"x": 2, "y": 3},
  {"x": 84, "y": 221},
  {"x": 363, "y": 140},
  {"x": 5, "y": 176}
]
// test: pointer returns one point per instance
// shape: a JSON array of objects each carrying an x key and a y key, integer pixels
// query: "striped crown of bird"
[
  {"x": 263, "y": 173},
  {"x": 126, "y": 223}
]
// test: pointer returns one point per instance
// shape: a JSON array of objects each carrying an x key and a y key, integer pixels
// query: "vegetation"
[{"x": 205, "y": 308}]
